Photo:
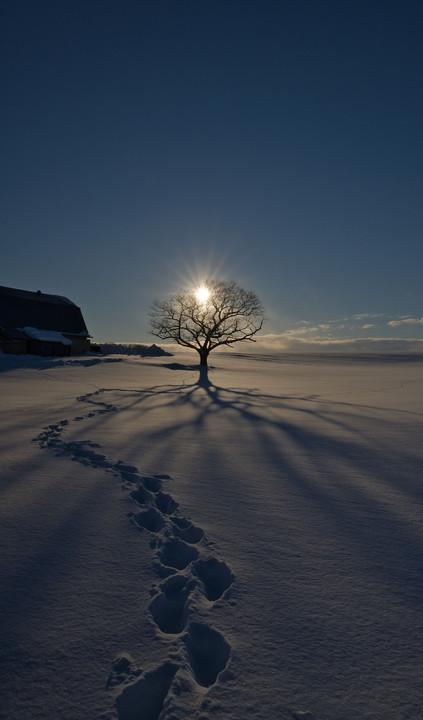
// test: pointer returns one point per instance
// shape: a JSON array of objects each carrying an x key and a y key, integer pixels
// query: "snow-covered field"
[{"x": 243, "y": 545}]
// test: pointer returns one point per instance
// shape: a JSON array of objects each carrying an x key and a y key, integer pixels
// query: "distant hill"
[{"x": 132, "y": 349}]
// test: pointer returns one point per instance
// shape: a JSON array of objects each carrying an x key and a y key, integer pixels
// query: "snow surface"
[
  {"x": 47, "y": 335},
  {"x": 243, "y": 545}
]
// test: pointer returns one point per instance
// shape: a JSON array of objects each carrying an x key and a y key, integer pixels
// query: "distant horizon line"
[{"x": 282, "y": 343}]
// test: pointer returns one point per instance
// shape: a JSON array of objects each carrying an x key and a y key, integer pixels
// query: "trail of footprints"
[{"x": 189, "y": 575}]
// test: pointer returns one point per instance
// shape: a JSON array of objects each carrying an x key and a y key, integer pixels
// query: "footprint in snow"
[
  {"x": 150, "y": 519},
  {"x": 206, "y": 650},
  {"x": 144, "y": 699},
  {"x": 208, "y": 653},
  {"x": 153, "y": 483},
  {"x": 142, "y": 496},
  {"x": 177, "y": 554},
  {"x": 169, "y": 609},
  {"x": 187, "y": 531},
  {"x": 126, "y": 468},
  {"x": 215, "y": 576},
  {"x": 165, "y": 503}
]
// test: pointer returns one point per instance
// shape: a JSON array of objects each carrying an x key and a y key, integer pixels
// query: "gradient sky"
[{"x": 149, "y": 144}]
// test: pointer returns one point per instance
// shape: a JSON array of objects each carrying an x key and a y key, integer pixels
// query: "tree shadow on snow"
[{"x": 358, "y": 507}]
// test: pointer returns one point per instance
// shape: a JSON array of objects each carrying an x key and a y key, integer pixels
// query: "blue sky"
[{"x": 148, "y": 145}]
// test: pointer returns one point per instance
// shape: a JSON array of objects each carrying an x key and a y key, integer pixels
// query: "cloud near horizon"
[
  {"x": 348, "y": 334},
  {"x": 288, "y": 343},
  {"x": 406, "y": 321}
]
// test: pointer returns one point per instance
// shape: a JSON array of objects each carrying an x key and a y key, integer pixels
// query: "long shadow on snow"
[{"x": 388, "y": 547}]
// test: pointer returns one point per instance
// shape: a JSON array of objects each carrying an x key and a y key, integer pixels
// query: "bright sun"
[{"x": 202, "y": 293}]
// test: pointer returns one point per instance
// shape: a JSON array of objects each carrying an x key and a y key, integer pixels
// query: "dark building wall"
[
  {"x": 41, "y": 347},
  {"x": 14, "y": 347},
  {"x": 21, "y": 308},
  {"x": 21, "y": 312}
]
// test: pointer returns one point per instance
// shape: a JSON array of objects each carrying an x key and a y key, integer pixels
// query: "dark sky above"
[{"x": 148, "y": 145}]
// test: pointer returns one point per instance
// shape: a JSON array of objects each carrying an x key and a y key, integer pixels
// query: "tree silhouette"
[{"x": 219, "y": 313}]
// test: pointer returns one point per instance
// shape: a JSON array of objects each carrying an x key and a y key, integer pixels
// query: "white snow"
[
  {"x": 47, "y": 335},
  {"x": 243, "y": 545}
]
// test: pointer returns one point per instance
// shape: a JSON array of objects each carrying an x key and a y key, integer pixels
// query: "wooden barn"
[{"x": 36, "y": 323}]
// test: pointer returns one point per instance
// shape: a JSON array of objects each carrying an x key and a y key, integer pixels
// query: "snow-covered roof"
[{"x": 46, "y": 335}]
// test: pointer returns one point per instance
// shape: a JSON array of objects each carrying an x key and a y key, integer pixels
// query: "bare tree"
[{"x": 218, "y": 313}]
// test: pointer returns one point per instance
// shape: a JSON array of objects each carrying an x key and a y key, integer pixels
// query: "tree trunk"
[
  {"x": 203, "y": 379},
  {"x": 203, "y": 357}
]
